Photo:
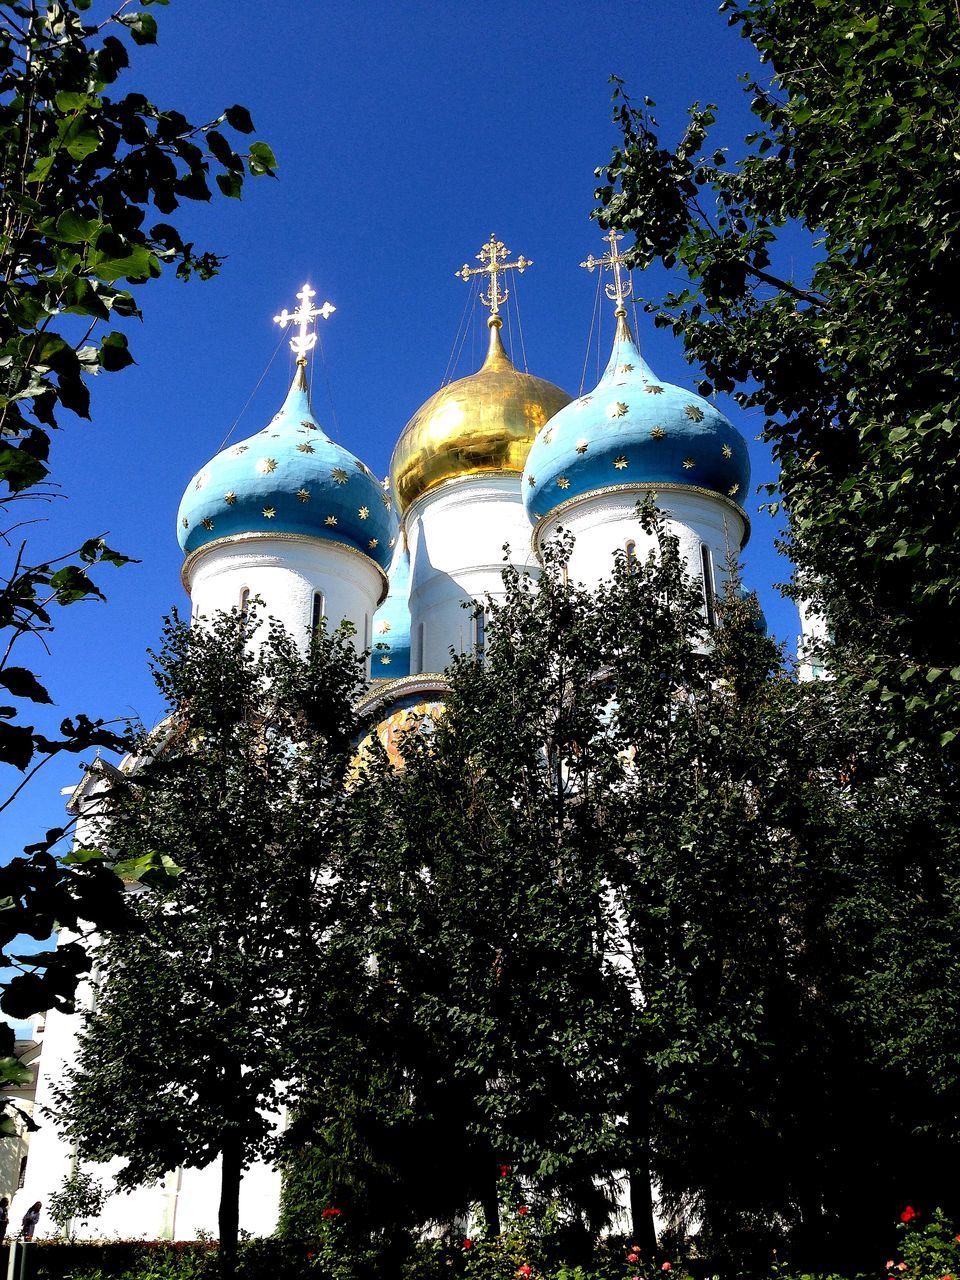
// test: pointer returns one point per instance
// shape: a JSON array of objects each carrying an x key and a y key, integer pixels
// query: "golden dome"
[{"x": 486, "y": 422}]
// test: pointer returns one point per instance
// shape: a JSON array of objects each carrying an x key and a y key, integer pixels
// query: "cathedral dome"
[
  {"x": 633, "y": 429},
  {"x": 289, "y": 479},
  {"x": 483, "y": 423}
]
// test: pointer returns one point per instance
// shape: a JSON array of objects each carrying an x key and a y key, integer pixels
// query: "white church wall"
[
  {"x": 603, "y": 523},
  {"x": 456, "y": 535},
  {"x": 286, "y": 574}
]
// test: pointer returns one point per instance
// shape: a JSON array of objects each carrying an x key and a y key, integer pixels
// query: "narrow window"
[
  {"x": 706, "y": 566},
  {"x": 479, "y": 634},
  {"x": 366, "y": 631},
  {"x": 316, "y": 618},
  {"x": 245, "y": 601},
  {"x": 422, "y": 645},
  {"x": 23, "y": 1173},
  {"x": 631, "y": 550}
]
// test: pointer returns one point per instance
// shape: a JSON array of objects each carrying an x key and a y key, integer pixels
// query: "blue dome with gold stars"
[
  {"x": 289, "y": 478},
  {"x": 633, "y": 429},
  {"x": 390, "y": 658}
]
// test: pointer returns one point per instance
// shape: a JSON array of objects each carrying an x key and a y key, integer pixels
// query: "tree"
[
  {"x": 83, "y": 175},
  {"x": 857, "y": 141},
  {"x": 640, "y": 904},
  {"x": 80, "y": 1198},
  {"x": 199, "y": 1007}
]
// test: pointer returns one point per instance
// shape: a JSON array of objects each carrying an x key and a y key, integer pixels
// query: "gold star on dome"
[
  {"x": 563, "y": 482},
  {"x": 241, "y": 448},
  {"x": 734, "y": 489},
  {"x": 387, "y": 502},
  {"x": 339, "y": 475},
  {"x": 229, "y": 497},
  {"x": 303, "y": 495},
  {"x": 385, "y": 659},
  {"x": 626, "y": 368},
  {"x": 185, "y": 522},
  {"x": 617, "y": 410},
  {"x": 393, "y": 542},
  {"x": 201, "y": 480},
  {"x": 269, "y": 513},
  {"x": 726, "y": 451},
  {"x": 652, "y": 389},
  {"x": 374, "y": 542},
  {"x": 658, "y": 433},
  {"x": 582, "y": 446},
  {"x": 531, "y": 481},
  {"x": 693, "y": 412},
  {"x": 688, "y": 464},
  {"x": 363, "y": 512},
  {"x": 620, "y": 462},
  {"x": 307, "y": 425},
  {"x": 330, "y": 521},
  {"x": 362, "y": 466},
  {"x": 266, "y": 465},
  {"x": 383, "y": 628},
  {"x": 305, "y": 448},
  {"x": 548, "y": 437},
  {"x": 207, "y": 522}
]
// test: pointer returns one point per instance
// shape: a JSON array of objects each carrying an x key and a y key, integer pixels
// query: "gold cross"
[
  {"x": 494, "y": 256},
  {"x": 304, "y": 316},
  {"x": 619, "y": 289}
]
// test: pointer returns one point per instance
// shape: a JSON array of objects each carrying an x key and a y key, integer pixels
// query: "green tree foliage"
[
  {"x": 80, "y": 1199},
  {"x": 639, "y": 908},
  {"x": 857, "y": 141},
  {"x": 90, "y": 183},
  {"x": 194, "y": 1034}
]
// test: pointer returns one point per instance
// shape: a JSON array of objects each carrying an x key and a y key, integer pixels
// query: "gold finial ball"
[{"x": 483, "y": 423}]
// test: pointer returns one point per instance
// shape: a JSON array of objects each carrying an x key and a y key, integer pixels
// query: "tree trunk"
[
  {"x": 491, "y": 1210},
  {"x": 644, "y": 1231},
  {"x": 231, "y": 1171}
]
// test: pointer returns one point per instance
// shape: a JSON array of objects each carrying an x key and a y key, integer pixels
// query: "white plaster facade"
[{"x": 456, "y": 534}]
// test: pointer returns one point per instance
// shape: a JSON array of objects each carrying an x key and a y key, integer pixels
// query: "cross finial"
[
  {"x": 494, "y": 256},
  {"x": 304, "y": 316},
  {"x": 618, "y": 290}
]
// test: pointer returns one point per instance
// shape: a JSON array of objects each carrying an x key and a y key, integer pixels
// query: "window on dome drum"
[
  {"x": 245, "y": 601},
  {"x": 479, "y": 633},
  {"x": 709, "y": 595},
  {"x": 366, "y": 631},
  {"x": 421, "y": 645},
  {"x": 631, "y": 550},
  {"x": 316, "y": 618}
]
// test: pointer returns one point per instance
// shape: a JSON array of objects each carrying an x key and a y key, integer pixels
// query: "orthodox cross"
[
  {"x": 304, "y": 316},
  {"x": 494, "y": 256},
  {"x": 619, "y": 289}
]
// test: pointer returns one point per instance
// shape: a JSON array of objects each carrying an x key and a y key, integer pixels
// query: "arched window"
[
  {"x": 366, "y": 631},
  {"x": 706, "y": 567},
  {"x": 316, "y": 617},
  {"x": 631, "y": 550},
  {"x": 245, "y": 601},
  {"x": 479, "y": 633},
  {"x": 421, "y": 646}
]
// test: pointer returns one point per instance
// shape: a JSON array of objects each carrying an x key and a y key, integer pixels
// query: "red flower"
[
  {"x": 330, "y": 1213},
  {"x": 957, "y": 1238},
  {"x": 504, "y": 1170},
  {"x": 468, "y": 1243},
  {"x": 908, "y": 1214},
  {"x": 525, "y": 1270},
  {"x": 633, "y": 1257},
  {"x": 309, "y": 1255},
  {"x": 666, "y": 1267},
  {"x": 946, "y": 1278},
  {"x": 523, "y": 1211}
]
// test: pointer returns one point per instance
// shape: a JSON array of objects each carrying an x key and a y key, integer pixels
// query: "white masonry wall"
[
  {"x": 285, "y": 574},
  {"x": 456, "y": 534},
  {"x": 604, "y": 523}
]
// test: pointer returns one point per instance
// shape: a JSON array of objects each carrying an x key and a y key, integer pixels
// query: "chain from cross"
[
  {"x": 304, "y": 316},
  {"x": 619, "y": 289},
  {"x": 494, "y": 256}
]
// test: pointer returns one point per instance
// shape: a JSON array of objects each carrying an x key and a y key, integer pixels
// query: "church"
[{"x": 293, "y": 518}]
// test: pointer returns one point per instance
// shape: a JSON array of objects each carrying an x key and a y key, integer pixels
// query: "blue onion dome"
[
  {"x": 390, "y": 658},
  {"x": 634, "y": 429},
  {"x": 289, "y": 479}
]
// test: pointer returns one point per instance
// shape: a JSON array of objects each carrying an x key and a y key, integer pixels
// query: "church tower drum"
[
  {"x": 456, "y": 475},
  {"x": 290, "y": 517}
]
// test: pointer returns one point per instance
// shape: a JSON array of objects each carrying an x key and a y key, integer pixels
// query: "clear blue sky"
[{"x": 405, "y": 133}]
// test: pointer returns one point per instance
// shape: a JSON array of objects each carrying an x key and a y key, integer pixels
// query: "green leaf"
[
  {"x": 261, "y": 159},
  {"x": 238, "y": 118},
  {"x": 23, "y": 684},
  {"x": 114, "y": 352}
]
